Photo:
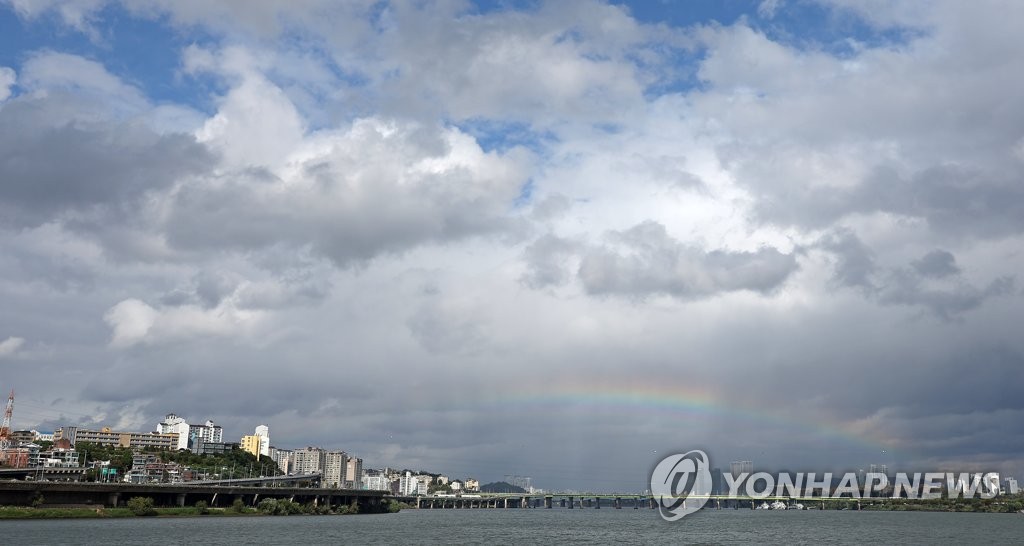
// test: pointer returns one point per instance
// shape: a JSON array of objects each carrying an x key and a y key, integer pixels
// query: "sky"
[{"x": 551, "y": 239}]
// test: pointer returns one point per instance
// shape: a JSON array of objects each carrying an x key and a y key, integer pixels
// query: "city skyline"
[{"x": 543, "y": 238}]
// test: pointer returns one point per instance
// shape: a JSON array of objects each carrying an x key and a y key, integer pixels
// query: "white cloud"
[
  {"x": 768, "y": 8},
  {"x": 7, "y": 80},
  {"x": 10, "y": 346},
  {"x": 48, "y": 71},
  {"x": 136, "y": 322}
]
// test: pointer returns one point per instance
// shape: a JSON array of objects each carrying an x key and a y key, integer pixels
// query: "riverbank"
[{"x": 275, "y": 508}]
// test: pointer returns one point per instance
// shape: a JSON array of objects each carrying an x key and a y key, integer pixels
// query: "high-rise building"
[
  {"x": 172, "y": 424},
  {"x": 206, "y": 433},
  {"x": 251, "y": 443},
  {"x": 354, "y": 473},
  {"x": 263, "y": 431},
  {"x": 423, "y": 484},
  {"x": 408, "y": 484},
  {"x": 191, "y": 436},
  {"x": 283, "y": 458},
  {"x": 334, "y": 469},
  {"x": 308, "y": 460},
  {"x": 1010, "y": 486}
]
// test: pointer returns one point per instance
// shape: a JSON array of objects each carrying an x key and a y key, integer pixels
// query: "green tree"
[{"x": 141, "y": 506}]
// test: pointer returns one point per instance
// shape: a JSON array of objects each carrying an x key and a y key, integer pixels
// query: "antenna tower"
[{"x": 5, "y": 429}]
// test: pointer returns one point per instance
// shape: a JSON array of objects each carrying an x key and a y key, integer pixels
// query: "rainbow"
[{"x": 683, "y": 401}]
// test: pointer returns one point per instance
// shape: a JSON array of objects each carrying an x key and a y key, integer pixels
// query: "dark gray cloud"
[
  {"x": 933, "y": 282},
  {"x": 547, "y": 261},
  {"x": 854, "y": 264},
  {"x": 936, "y": 264},
  {"x": 644, "y": 260},
  {"x": 53, "y": 167},
  {"x": 955, "y": 201}
]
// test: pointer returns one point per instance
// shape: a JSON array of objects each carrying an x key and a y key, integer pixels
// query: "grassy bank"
[{"x": 268, "y": 507}]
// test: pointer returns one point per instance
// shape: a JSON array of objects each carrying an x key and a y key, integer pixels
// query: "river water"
[{"x": 535, "y": 526}]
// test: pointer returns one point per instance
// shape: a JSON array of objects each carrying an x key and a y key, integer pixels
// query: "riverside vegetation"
[{"x": 144, "y": 507}]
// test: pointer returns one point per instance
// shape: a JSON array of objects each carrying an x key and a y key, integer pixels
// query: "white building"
[
  {"x": 334, "y": 469},
  {"x": 283, "y": 458},
  {"x": 377, "y": 482},
  {"x": 191, "y": 436},
  {"x": 423, "y": 484},
  {"x": 408, "y": 484},
  {"x": 263, "y": 431},
  {"x": 172, "y": 424},
  {"x": 353, "y": 473},
  {"x": 1010, "y": 486},
  {"x": 308, "y": 460},
  {"x": 207, "y": 432}
]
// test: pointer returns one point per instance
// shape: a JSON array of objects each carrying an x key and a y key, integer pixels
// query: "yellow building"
[{"x": 251, "y": 444}]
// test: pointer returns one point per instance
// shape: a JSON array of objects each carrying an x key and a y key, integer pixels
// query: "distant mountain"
[{"x": 501, "y": 487}]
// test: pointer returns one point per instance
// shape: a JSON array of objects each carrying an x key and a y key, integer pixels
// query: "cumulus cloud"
[
  {"x": 435, "y": 207},
  {"x": 645, "y": 260},
  {"x": 134, "y": 322},
  {"x": 352, "y": 194}
]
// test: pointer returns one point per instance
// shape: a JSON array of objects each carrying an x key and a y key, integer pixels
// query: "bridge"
[
  {"x": 610, "y": 500},
  {"x": 23, "y": 493},
  {"x": 264, "y": 480}
]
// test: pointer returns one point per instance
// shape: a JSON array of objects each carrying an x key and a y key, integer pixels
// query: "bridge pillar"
[
  {"x": 547, "y": 502},
  {"x": 181, "y": 500},
  {"x": 419, "y": 503},
  {"x": 652, "y": 502},
  {"x": 572, "y": 501},
  {"x": 618, "y": 503},
  {"x": 113, "y": 499},
  {"x": 597, "y": 503},
  {"x": 506, "y": 502}
]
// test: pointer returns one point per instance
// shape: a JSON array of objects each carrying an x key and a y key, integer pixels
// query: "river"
[{"x": 535, "y": 526}]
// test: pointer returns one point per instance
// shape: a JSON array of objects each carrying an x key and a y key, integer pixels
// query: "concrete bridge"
[
  {"x": 274, "y": 481},
  {"x": 607, "y": 500},
  {"x": 185, "y": 494}
]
